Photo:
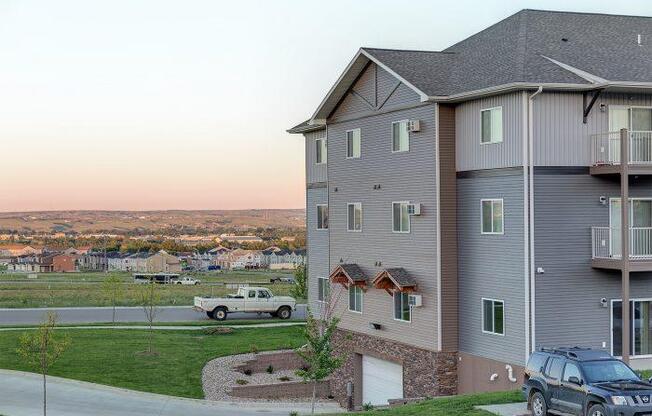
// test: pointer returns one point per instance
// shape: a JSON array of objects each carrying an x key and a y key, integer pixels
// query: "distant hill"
[{"x": 140, "y": 222}]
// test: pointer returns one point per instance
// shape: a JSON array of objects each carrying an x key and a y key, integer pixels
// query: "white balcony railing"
[
  {"x": 606, "y": 243},
  {"x": 605, "y": 148}
]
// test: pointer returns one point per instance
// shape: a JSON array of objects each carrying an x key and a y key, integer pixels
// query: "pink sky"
[{"x": 170, "y": 104}]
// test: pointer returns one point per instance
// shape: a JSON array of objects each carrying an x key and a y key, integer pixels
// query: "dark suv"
[{"x": 581, "y": 381}]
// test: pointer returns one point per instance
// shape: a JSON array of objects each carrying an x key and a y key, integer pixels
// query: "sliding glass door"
[
  {"x": 641, "y": 330},
  {"x": 640, "y": 218},
  {"x": 638, "y": 120}
]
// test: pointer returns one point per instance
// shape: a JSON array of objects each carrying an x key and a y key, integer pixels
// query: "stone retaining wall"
[
  {"x": 287, "y": 390},
  {"x": 284, "y": 360}
]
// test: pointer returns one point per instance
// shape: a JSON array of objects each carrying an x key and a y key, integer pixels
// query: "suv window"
[
  {"x": 571, "y": 370},
  {"x": 553, "y": 369},
  {"x": 537, "y": 362}
]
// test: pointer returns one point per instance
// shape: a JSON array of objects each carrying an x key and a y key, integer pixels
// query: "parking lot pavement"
[
  {"x": 33, "y": 316},
  {"x": 21, "y": 395}
]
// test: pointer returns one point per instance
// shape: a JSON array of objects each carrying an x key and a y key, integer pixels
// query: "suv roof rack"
[{"x": 570, "y": 352}]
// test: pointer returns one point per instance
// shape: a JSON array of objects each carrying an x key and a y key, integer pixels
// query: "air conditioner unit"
[
  {"x": 414, "y": 125},
  {"x": 414, "y": 209},
  {"x": 414, "y": 300}
]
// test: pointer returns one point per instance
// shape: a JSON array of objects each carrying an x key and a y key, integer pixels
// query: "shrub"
[
  {"x": 270, "y": 369},
  {"x": 294, "y": 413},
  {"x": 284, "y": 378},
  {"x": 367, "y": 407},
  {"x": 253, "y": 348},
  {"x": 241, "y": 382}
]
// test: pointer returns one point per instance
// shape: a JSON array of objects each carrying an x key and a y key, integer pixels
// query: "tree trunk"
[
  {"x": 314, "y": 396},
  {"x": 45, "y": 396}
]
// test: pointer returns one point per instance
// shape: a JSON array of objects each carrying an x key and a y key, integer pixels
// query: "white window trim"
[
  {"x": 504, "y": 317},
  {"x": 346, "y": 138},
  {"x": 361, "y": 300},
  {"x": 347, "y": 217},
  {"x": 319, "y": 279},
  {"x": 392, "y": 136},
  {"x": 409, "y": 219},
  {"x": 394, "y": 309},
  {"x": 317, "y": 145},
  {"x": 611, "y": 328},
  {"x": 492, "y": 200},
  {"x": 502, "y": 120},
  {"x": 317, "y": 215}
]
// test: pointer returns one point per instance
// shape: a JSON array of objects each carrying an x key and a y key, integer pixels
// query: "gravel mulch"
[{"x": 218, "y": 377}]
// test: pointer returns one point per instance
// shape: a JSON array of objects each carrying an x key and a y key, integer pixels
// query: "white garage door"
[{"x": 381, "y": 380}]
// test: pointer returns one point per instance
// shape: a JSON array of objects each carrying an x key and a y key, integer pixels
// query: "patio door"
[
  {"x": 638, "y": 120},
  {"x": 640, "y": 219}
]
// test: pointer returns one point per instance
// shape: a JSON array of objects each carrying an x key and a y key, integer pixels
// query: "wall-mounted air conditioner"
[
  {"x": 414, "y": 125},
  {"x": 414, "y": 209},
  {"x": 414, "y": 300}
]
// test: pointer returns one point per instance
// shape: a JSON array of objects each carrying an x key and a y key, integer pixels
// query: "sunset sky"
[{"x": 128, "y": 104}]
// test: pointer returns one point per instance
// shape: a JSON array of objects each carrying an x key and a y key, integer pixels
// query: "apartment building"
[{"x": 467, "y": 206}]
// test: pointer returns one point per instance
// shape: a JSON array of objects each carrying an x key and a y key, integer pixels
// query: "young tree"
[
  {"x": 149, "y": 299},
  {"x": 318, "y": 352},
  {"x": 41, "y": 349},
  {"x": 113, "y": 289},
  {"x": 300, "y": 288}
]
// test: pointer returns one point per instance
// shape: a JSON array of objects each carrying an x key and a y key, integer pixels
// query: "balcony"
[
  {"x": 607, "y": 252},
  {"x": 605, "y": 153}
]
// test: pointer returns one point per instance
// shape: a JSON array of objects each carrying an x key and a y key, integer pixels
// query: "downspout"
[
  {"x": 532, "y": 285},
  {"x": 440, "y": 343}
]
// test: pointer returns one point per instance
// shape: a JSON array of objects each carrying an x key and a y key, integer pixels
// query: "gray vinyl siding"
[
  {"x": 471, "y": 155},
  {"x": 568, "y": 310},
  {"x": 491, "y": 266},
  {"x": 407, "y": 176},
  {"x": 317, "y": 247},
  {"x": 314, "y": 172},
  {"x": 560, "y": 136}
]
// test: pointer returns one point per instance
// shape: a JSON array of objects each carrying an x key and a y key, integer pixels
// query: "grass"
[
  {"x": 110, "y": 357},
  {"x": 451, "y": 406},
  {"x": 84, "y": 289}
]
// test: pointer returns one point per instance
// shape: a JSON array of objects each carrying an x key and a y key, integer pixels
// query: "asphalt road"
[
  {"x": 31, "y": 316},
  {"x": 21, "y": 395}
]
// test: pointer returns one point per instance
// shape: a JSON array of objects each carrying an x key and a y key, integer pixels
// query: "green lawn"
[
  {"x": 84, "y": 289},
  {"x": 453, "y": 406},
  {"x": 111, "y": 357}
]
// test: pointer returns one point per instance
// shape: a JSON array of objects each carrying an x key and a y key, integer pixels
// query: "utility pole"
[{"x": 624, "y": 207}]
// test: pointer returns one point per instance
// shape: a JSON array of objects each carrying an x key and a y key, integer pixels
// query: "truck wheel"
[
  {"x": 284, "y": 312},
  {"x": 597, "y": 410},
  {"x": 538, "y": 405},
  {"x": 219, "y": 313}
]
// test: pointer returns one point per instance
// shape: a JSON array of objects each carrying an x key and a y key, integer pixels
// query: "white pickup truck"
[{"x": 248, "y": 299}]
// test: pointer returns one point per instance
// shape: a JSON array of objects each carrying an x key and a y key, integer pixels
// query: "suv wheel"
[
  {"x": 538, "y": 405},
  {"x": 597, "y": 410}
]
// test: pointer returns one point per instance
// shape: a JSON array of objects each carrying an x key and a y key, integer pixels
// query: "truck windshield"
[{"x": 608, "y": 371}]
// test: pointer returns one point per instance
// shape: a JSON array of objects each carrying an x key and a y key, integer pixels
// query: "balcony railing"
[
  {"x": 605, "y": 148},
  {"x": 606, "y": 243}
]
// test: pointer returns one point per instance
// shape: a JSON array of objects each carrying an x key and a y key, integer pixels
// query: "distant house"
[
  {"x": 34, "y": 263},
  {"x": 16, "y": 250},
  {"x": 241, "y": 238},
  {"x": 162, "y": 262},
  {"x": 276, "y": 258},
  {"x": 241, "y": 259},
  {"x": 65, "y": 263}
]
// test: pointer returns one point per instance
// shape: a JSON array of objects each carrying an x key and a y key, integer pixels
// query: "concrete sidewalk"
[
  {"x": 513, "y": 409},
  {"x": 21, "y": 395},
  {"x": 165, "y": 327}
]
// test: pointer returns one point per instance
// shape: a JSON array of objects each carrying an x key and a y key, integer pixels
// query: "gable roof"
[{"x": 532, "y": 48}]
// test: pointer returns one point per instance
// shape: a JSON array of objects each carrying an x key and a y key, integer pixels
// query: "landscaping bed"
[{"x": 111, "y": 356}]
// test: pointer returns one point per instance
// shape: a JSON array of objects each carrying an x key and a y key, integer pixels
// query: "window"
[
  {"x": 640, "y": 315},
  {"x": 491, "y": 125},
  {"x": 354, "y": 214},
  {"x": 355, "y": 299},
  {"x": 324, "y": 289},
  {"x": 252, "y": 294},
  {"x": 571, "y": 370},
  {"x": 492, "y": 216},
  {"x": 400, "y": 217},
  {"x": 536, "y": 362},
  {"x": 263, "y": 294},
  {"x": 322, "y": 152},
  {"x": 493, "y": 316},
  {"x": 322, "y": 217},
  {"x": 553, "y": 369},
  {"x": 402, "y": 309},
  {"x": 353, "y": 144},
  {"x": 400, "y": 136}
]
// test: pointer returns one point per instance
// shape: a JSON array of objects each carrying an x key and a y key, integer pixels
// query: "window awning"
[
  {"x": 395, "y": 280},
  {"x": 348, "y": 275}
]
